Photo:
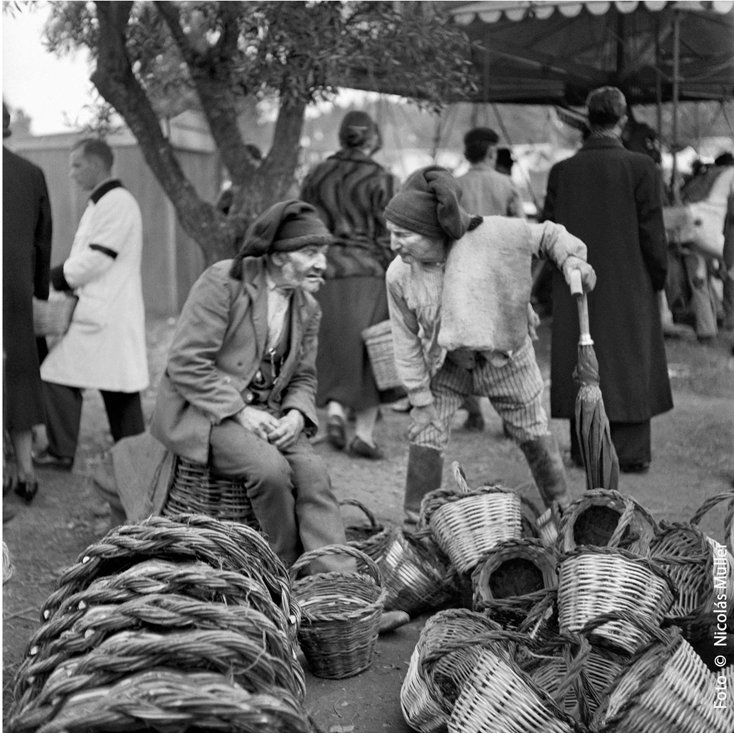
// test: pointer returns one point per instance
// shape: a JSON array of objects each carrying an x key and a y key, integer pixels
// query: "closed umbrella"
[{"x": 592, "y": 426}]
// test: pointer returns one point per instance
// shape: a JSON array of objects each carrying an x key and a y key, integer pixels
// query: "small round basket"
[
  {"x": 702, "y": 570},
  {"x": 195, "y": 489},
  {"x": 665, "y": 687},
  {"x": 514, "y": 569},
  {"x": 372, "y": 538},
  {"x": 606, "y": 518},
  {"x": 468, "y": 524},
  {"x": 429, "y": 691},
  {"x": 501, "y": 692},
  {"x": 416, "y": 578},
  {"x": 340, "y": 613},
  {"x": 52, "y": 317},
  {"x": 596, "y": 580}
]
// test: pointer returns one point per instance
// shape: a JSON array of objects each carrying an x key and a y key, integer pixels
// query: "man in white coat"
[{"x": 104, "y": 347}]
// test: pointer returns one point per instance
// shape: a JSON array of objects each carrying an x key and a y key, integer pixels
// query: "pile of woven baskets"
[
  {"x": 176, "y": 624},
  {"x": 599, "y": 628}
]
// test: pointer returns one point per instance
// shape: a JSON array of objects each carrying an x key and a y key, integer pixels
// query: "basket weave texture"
[
  {"x": 372, "y": 538},
  {"x": 415, "y": 577},
  {"x": 341, "y": 613},
  {"x": 52, "y": 317},
  {"x": 379, "y": 343},
  {"x": 593, "y": 581},
  {"x": 195, "y": 489},
  {"x": 665, "y": 687},
  {"x": 469, "y": 524},
  {"x": 606, "y": 518},
  {"x": 429, "y": 690}
]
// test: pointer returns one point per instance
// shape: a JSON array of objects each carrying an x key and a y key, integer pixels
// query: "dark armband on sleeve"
[{"x": 104, "y": 250}]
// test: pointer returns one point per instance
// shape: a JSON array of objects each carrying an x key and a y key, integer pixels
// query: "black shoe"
[
  {"x": 359, "y": 447},
  {"x": 641, "y": 467},
  {"x": 27, "y": 489},
  {"x": 44, "y": 459},
  {"x": 336, "y": 432}
]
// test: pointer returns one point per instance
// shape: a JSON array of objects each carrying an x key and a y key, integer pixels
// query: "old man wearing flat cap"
[{"x": 239, "y": 388}]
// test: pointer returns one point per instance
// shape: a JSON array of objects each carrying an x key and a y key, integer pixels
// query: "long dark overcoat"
[
  {"x": 609, "y": 197},
  {"x": 26, "y": 261}
]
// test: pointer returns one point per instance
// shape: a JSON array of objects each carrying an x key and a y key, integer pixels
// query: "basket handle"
[
  {"x": 624, "y": 522},
  {"x": 483, "y": 639},
  {"x": 632, "y": 618},
  {"x": 728, "y": 520},
  {"x": 370, "y": 516},
  {"x": 369, "y": 565},
  {"x": 460, "y": 478}
]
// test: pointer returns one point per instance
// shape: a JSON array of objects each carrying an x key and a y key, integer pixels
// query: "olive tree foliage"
[{"x": 156, "y": 58}]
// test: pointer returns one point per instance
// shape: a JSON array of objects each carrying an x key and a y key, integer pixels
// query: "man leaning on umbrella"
[{"x": 458, "y": 295}]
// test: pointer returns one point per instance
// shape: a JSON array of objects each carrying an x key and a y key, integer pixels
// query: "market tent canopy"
[{"x": 555, "y": 52}]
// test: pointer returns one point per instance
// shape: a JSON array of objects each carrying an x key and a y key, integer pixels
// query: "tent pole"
[{"x": 675, "y": 183}]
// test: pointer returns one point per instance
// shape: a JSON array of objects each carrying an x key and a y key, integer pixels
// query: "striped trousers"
[{"x": 515, "y": 391}]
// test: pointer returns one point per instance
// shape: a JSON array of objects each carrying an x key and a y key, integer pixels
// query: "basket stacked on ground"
[
  {"x": 415, "y": 576},
  {"x": 195, "y": 489},
  {"x": 512, "y": 578},
  {"x": 379, "y": 343},
  {"x": 151, "y": 607},
  {"x": 597, "y": 580},
  {"x": 469, "y": 523},
  {"x": 372, "y": 538},
  {"x": 430, "y": 689},
  {"x": 341, "y": 613},
  {"x": 605, "y": 518},
  {"x": 703, "y": 571},
  {"x": 665, "y": 687}
]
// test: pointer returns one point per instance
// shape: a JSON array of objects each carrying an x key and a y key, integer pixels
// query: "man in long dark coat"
[{"x": 610, "y": 198}]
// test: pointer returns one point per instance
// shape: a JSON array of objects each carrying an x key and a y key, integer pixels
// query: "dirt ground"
[{"x": 693, "y": 458}]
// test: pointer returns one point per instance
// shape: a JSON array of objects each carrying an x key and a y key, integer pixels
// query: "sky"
[{"x": 44, "y": 86}]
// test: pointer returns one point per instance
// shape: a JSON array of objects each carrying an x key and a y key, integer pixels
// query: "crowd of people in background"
[{"x": 268, "y": 337}]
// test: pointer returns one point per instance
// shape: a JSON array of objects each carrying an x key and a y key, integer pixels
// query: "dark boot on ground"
[
  {"x": 425, "y": 469},
  {"x": 546, "y": 466}
]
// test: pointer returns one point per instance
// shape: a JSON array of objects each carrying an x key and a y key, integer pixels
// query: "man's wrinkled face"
[
  {"x": 85, "y": 170},
  {"x": 413, "y": 247},
  {"x": 301, "y": 270}
]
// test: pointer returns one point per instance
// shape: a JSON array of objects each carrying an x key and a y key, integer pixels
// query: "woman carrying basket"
[{"x": 350, "y": 192}]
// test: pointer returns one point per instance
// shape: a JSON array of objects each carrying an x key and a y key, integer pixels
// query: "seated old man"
[{"x": 239, "y": 387}]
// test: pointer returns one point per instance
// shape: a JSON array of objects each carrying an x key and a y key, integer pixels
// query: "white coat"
[{"x": 104, "y": 347}]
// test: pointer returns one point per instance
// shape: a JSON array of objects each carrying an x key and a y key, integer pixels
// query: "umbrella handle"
[{"x": 577, "y": 290}]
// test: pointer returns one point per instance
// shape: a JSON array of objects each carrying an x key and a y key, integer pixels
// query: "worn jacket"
[{"x": 217, "y": 349}]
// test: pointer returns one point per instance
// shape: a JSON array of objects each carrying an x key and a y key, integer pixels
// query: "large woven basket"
[
  {"x": 605, "y": 518},
  {"x": 468, "y": 523},
  {"x": 429, "y": 690},
  {"x": 371, "y": 538},
  {"x": 703, "y": 572},
  {"x": 501, "y": 692},
  {"x": 416, "y": 578},
  {"x": 594, "y": 580},
  {"x": 52, "y": 317},
  {"x": 195, "y": 489},
  {"x": 174, "y": 701},
  {"x": 666, "y": 687},
  {"x": 379, "y": 343},
  {"x": 340, "y": 613}
]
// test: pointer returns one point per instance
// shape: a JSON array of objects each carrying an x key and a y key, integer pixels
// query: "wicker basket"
[
  {"x": 52, "y": 317},
  {"x": 340, "y": 613},
  {"x": 709, "y": 504},
  {"x": 593, "y": 581},
  {"x": 501, "y": 692},
  {"x": 174, "y": 701},
  {"x": 429, "y": 691},
  {"x": 703, "y": 571},
  {"x": 468, "y": 524},
  {"x": 373, "y": 538},
  {"x": 378, "y": 340},
  {"x": 665, "y": 687},
  {"x": 605, "y": 518},
  {"x": 195, "y": 489},
  {"x": 416, "y": 579}
]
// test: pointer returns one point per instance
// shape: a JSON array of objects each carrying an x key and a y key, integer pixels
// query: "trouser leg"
[
  {"x": 124, "y": 413},
  {"x": 63, "y": 418},
  {"x": 703, "y": 303},
  {"x": 546, "y": 466},
  {"x": 268, "y": 480},
  {"x": 632, "y": 442}
]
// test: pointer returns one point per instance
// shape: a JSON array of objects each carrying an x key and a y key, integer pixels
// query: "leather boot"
[
  {"x": 546, "y": 466},
  {"x": 425, "y": 468}
]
